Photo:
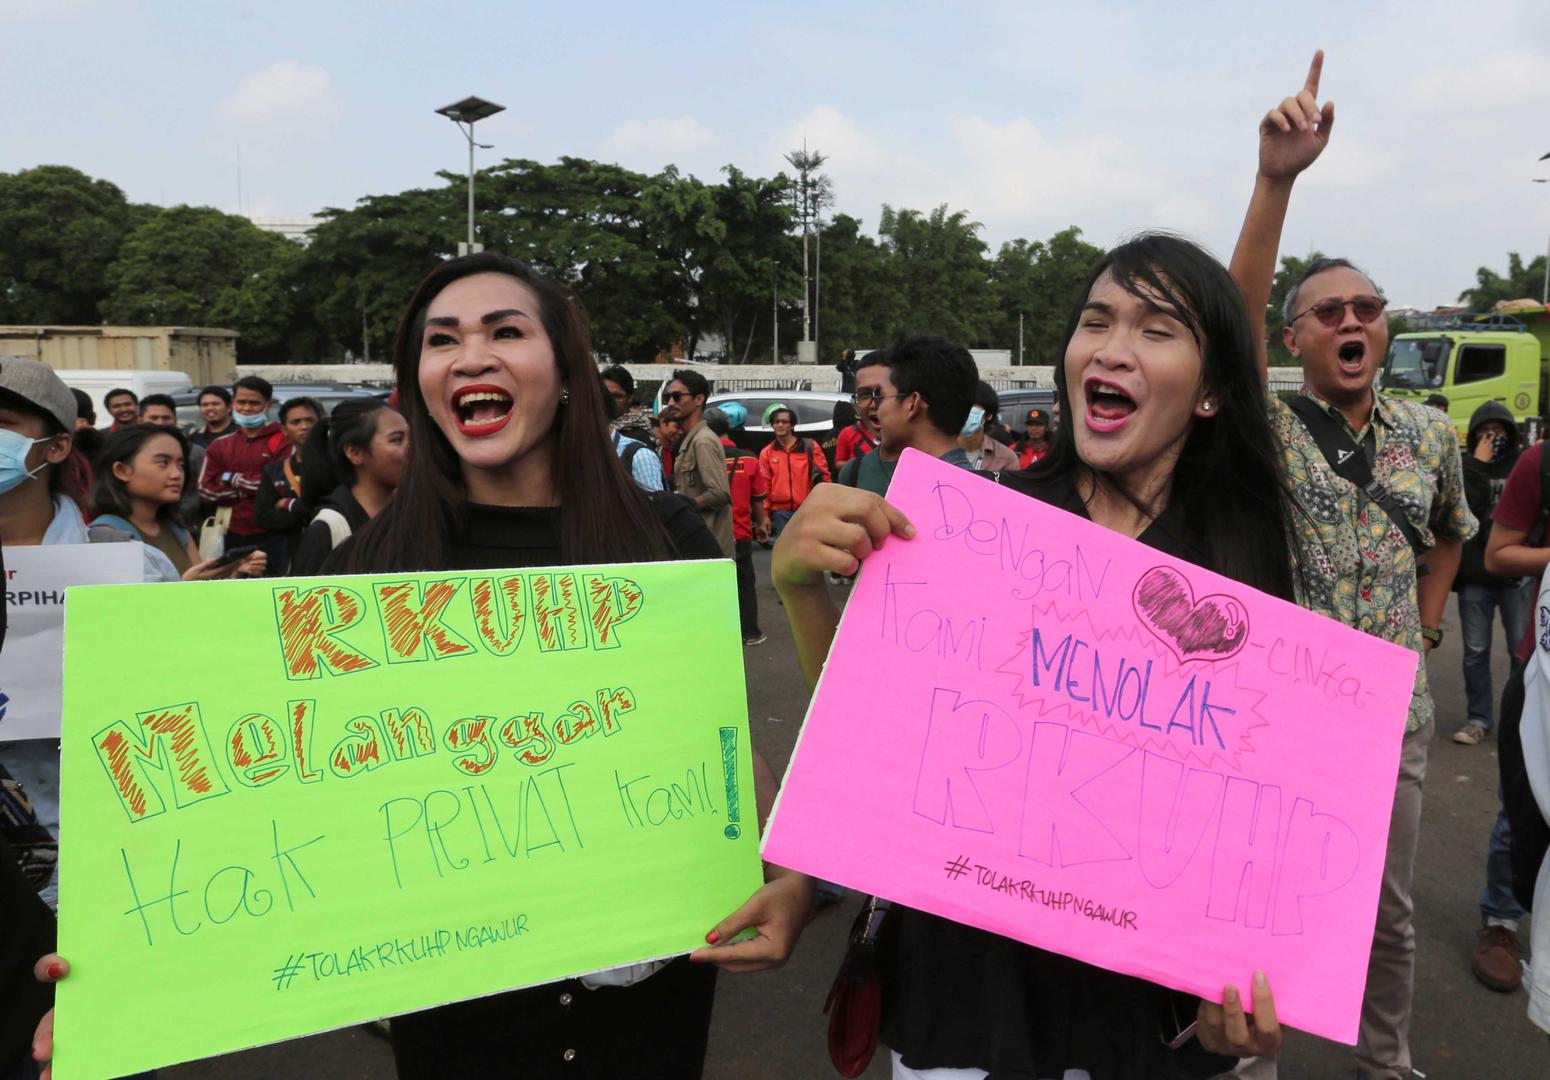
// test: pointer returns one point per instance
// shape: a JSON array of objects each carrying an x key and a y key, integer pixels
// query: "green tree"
[
  {"x": 1039, "y": 280},
  {"x": 1521, "y": 281},
  {"x": 196, "y": 266},
  {"x": 59, "y": 230},
  {"x": 581, "y": 222},
  {"x": 738, "y": 263},
  {"x": 1291, "y": 271},
  {"x": 936, "y": 263},
  {"x": 858, "y": 308},
  {"x": 363, "y": 264}
]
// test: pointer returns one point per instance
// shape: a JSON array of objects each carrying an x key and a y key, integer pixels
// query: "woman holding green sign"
[
  {"x": 509, "y": 466},
  {"x": 1167, "y": 442}
]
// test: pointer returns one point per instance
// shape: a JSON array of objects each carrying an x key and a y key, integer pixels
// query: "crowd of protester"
[{"x": 1171, "y": 438}]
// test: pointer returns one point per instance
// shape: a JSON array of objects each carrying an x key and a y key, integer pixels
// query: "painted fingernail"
[
  {"x": 56, "y": 970},
  {"x": 712, "y": 937}
]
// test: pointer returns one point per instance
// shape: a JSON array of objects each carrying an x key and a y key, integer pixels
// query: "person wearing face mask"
[
  {"x": 1381, "y": 516},
  {"x": 41, "y": 503},
  {"x": 234, "y": 467},
  {"x": 1167, "y": 442},
  {"x": 984, "y": 452}
]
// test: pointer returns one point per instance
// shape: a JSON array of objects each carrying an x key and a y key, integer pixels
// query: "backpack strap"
[
  {"x": 629, "y": 455},
  {"x": 1536, "y": 535},
  {"x": 338, "y": 527},
  {"x": 1353, "y": 462}
]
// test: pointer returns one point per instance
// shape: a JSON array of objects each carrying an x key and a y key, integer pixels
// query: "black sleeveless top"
[{"x": 955, "y": 996}]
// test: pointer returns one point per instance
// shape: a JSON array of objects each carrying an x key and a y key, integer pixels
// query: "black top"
[
  {"x": 502, "y": 537},
  {"x": 317, "y": 539},
  {"x": 958, "y": 997}
]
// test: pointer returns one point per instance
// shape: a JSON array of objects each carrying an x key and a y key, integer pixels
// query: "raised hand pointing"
[{"x": 1294, "y": 133}]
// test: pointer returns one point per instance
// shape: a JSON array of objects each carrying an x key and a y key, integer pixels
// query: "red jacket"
[
  {"x": 852, "y": 443},
  {"x": 789, "y": 475},
  {"x": 747, "y": 485},
  {"x": 234, "y": 467}
]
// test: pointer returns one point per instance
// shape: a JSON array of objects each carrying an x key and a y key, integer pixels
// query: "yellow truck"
[{"x": 1470, "y": 359}]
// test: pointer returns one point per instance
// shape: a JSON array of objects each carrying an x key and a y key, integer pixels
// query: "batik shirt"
[{"x": 1353, "y": 563}]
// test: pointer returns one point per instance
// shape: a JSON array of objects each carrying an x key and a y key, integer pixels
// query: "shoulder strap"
[
  {"x": 338, "y": 527},
  {"x": 629, "y": 453},
  {"x": 1536, "y": 535},
  {"x": 1350, "y": 462}
]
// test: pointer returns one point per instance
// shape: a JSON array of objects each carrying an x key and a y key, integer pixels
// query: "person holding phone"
[{"x": 141, "y": 474}]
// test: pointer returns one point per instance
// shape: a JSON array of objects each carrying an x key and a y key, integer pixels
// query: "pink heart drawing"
[{"x": 1211, "y": 628}]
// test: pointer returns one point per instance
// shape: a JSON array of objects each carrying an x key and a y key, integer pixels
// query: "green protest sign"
[{"x": 290, "y": 806}]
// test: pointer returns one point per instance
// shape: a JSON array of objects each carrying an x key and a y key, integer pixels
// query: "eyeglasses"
[
  {"x": 676, "y": 395},
  {"x": 1330, "y": 312}
]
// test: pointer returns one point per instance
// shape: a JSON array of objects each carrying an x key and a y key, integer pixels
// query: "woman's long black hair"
[
  {"x": 110, "y": 495},
  {"x": 1227, "y": 481},
  {"x": 324, "y": 463},
  {"x": 605, "y": 517}
]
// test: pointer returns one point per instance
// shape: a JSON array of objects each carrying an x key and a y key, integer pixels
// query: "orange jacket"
[{"x": 790, "y": 475}]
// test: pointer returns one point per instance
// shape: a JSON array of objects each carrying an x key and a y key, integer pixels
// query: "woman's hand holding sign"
[{"x": 1225, "y": 1029}]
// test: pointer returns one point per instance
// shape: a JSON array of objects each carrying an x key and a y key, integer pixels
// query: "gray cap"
[{"x": 37, "y": 384}]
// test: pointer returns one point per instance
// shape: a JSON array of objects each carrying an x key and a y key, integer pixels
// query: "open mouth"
[
  {"x": 481, "y": 410},
  {"x": 1108, "y": 406},
  {"x": 1353, "y": 357}
]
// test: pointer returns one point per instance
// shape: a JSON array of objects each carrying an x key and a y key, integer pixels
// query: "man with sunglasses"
[
  {"x": 700, "y": 464},
  {"x": 1380, "y": 515}
]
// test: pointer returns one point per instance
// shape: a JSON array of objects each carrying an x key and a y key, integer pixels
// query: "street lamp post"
[
  {"x": 1544, "y": 296},
  {"x": 465, "y": 114}
]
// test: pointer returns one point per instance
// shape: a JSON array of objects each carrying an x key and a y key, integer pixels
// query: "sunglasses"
[
  {"x": 1330, "y": 312},
  {"x": 676, "y": 396}
]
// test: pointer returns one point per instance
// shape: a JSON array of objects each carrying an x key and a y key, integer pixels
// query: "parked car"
[
  {"x": 327, "y": 394},
  {"x": 1016, "y": 403},
  {"x": 814, "y": 409}
]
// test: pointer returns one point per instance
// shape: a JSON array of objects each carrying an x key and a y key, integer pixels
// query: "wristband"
[{"x": 1432, "y": 634}]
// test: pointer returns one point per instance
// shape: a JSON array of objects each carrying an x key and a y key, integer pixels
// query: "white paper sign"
[{"x": 32, "y": 658}]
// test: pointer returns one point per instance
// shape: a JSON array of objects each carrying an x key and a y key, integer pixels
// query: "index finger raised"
[{"x": 1315, "y": 70}]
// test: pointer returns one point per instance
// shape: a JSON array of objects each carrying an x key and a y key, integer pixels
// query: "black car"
[{"x": 1016, "y": 403}]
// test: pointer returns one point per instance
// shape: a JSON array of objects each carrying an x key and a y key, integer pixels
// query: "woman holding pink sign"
[{"x": 1166, "y": 442}]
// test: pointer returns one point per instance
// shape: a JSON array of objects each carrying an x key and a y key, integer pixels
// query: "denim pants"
[
  {"x": 778, "y": 519},
  {"x": 1496, "y": 899},
  {"x": 1477, "y": 603}
]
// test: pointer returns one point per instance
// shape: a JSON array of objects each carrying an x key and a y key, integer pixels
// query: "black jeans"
[{"x": 747, "y": 598}]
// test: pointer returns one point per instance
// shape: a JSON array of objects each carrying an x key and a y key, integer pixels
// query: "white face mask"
[
  {"x": 14, "y": 449},
  {"x": 976, "y": 420}
]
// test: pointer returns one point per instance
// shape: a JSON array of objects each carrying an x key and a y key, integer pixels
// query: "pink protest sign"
[{"x": 1041, "y": 728}]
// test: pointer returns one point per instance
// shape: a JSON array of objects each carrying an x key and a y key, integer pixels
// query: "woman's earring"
[
  {"x": 1205, "y": 406},
  {"x": 564, "y": 397}
]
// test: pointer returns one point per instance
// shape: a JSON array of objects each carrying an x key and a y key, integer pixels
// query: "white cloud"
[
  {"x": 286, "y": 102},
  {"x": 659, "y": 141}
]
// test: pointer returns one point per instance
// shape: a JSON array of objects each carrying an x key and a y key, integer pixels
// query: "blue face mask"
[
  {"x": 976, "y": 420},
  {"x": 250, "y": 421},
  {"x": 13, "y": 459}
]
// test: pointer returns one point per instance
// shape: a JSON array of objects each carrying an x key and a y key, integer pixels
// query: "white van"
[{"x": 98, "y": 381}]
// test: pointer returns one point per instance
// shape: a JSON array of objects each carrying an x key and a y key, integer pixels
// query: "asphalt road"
[{"x": 771, "y": 1024}]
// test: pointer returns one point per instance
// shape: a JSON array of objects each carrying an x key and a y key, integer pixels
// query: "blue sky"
[{"x": 1030, "y": 116}]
